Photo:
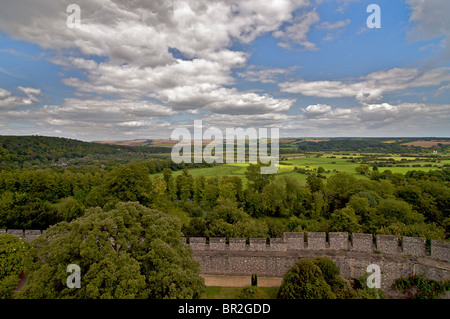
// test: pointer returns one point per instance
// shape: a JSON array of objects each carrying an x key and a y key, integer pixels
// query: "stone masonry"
[{"x": 351, "y": 252}]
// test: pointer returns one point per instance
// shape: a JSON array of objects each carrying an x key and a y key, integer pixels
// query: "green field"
[{"x": 331, "y": 166}]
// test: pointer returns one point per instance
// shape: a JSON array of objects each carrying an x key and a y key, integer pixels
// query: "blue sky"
[{"x": 140, "y": 70}]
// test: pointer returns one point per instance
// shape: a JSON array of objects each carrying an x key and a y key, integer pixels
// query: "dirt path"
[{"x": 240, "y": 281}]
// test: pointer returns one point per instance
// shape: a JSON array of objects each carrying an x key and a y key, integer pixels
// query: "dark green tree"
[
  {"x": 305, "y": 280},
  {"x": 130, "y": 251},
  {"x": 256, "y": 180},
  {"x": 12, "y": 252}
]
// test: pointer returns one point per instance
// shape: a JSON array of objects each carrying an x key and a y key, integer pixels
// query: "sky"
[{"x": 140, "y": 69}]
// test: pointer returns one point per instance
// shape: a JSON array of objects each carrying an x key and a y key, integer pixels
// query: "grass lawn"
[{"x": 215, "y": 292}]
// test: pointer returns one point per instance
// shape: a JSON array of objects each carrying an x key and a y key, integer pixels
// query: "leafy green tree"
[
  {"x": 418, "y": 287},
  {"x": 274, "y": 198},
  {"x": 363, "y": 169},
  {"x": 228, "y": 211},
  {"x": 366, "y": 214},
  {"x": 185, "y": 185},
  {"x": 172, "y": 188},
  {"x": 200, "y": 186},
  {"x": 256, "y": 180},
  {"x": 130, "y": 182},
  {"x": 345, "y": 220},
  {"x": 394, "y": 210},
  {"x": 319, "y": 205},
  {"x": 305, "y": 280},
  {"x": 296, "y": 193},
  {"x": 340, "y": 187},
  {"x": 440, "y": 192},
  {"x": 315, "y": 183},
  {"x": 18, "y": 210},
  {"x": 251, "y": 228},
  {"x": 220, "y": 228},
  {"x": 422, "y": 202},
  {"x": 235, "y": 191},
  {"x": 196, "y": 228},
  {"x": 69, "y": 209},
  {"x": 315, "y": 278},
  {"x": 253, "y": 202},
  {"x": 227, "y": 191},
  {"x": 211, "y": 192},
  {"x": 167, "y": 173},
  {"x": 276, "y": 227},
  {"x": 12, "y": 252},
  {"x": 130, "y": 251}
]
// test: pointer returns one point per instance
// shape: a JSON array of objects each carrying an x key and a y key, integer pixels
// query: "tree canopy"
[
  {"x": 12, "y": 252},
  {"x": 130, "y": 251}
]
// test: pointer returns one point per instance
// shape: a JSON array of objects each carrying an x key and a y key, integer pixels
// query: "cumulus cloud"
[
  {"x": 336, "y": 25},
  {"x": 223, "y": 121},
  {"x": 297, "y": 32},
  {"x": 8, "y": 100},
  {"x": 316, "y": 110},
  {"x": 333, "y": 29},
  {"x": 370, "y": 88},
  {"x": 381, "y": 119},
  {"x": 430, "y": 19},
  {"x": 143, "y": 31},
  {"x": 142, "y": 63},
  {"x": 263, "y": 74},
  {"x": 90, "y": 117},
  {"x": 175, "y": 52}
]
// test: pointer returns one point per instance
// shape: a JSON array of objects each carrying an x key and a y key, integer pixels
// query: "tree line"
[
  {"x": 413, "y": 204},
  {"x": 20, "y": 151}
]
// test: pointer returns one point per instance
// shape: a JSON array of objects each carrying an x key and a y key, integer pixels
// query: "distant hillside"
[
  {"x": 46, "y": 149},
  {"x": 336, "y": 144},
  {"x": 398, "y": 145},
  {"x": 142, "y": 142}
]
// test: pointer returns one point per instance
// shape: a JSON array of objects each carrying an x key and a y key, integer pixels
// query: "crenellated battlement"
[
  {"x": 27, "y": 234},
  {"x": 297, "y": 241},
  {"x": 351, "y": 252}
]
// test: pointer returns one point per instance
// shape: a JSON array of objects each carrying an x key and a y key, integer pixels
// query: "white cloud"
[
  {"x": 223, "y": 121},
  {"x": 431, "y": 20},
  {"x": 382, "y": 119},
  {"x": 387, "y": 113},
  {"x": 370, "y": 88},
  {"x": 91, "y": 118},
  {"x": 9, "y": 101},
  {"x": 263, "y": 74},
  {"x": 137, "y": 39},
  {"x": 316, "y": 110},
  {"x": 334, "y": 29},
  {"x": 142, "y": 31},
  {"x": 297, "y": 32},
  {"x": 336, "y": 25},
  {"x": 223, "y": 100}
]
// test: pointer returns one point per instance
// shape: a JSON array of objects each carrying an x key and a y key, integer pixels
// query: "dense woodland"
[
  {"x": 93, "y": 198},
  {"x": 414, "y": 204},
  {"x": 34, "y": 197},
  {"x": 20, "y": 151}
]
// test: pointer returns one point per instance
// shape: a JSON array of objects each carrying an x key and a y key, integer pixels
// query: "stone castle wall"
[
  {"x": 352, "y": 253},
  {"x": 320, "y": 241},
  {"x": 297, "y": 241},
  {"x": 27, "y": 234},
  {"x": 274, "y": 256}
]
